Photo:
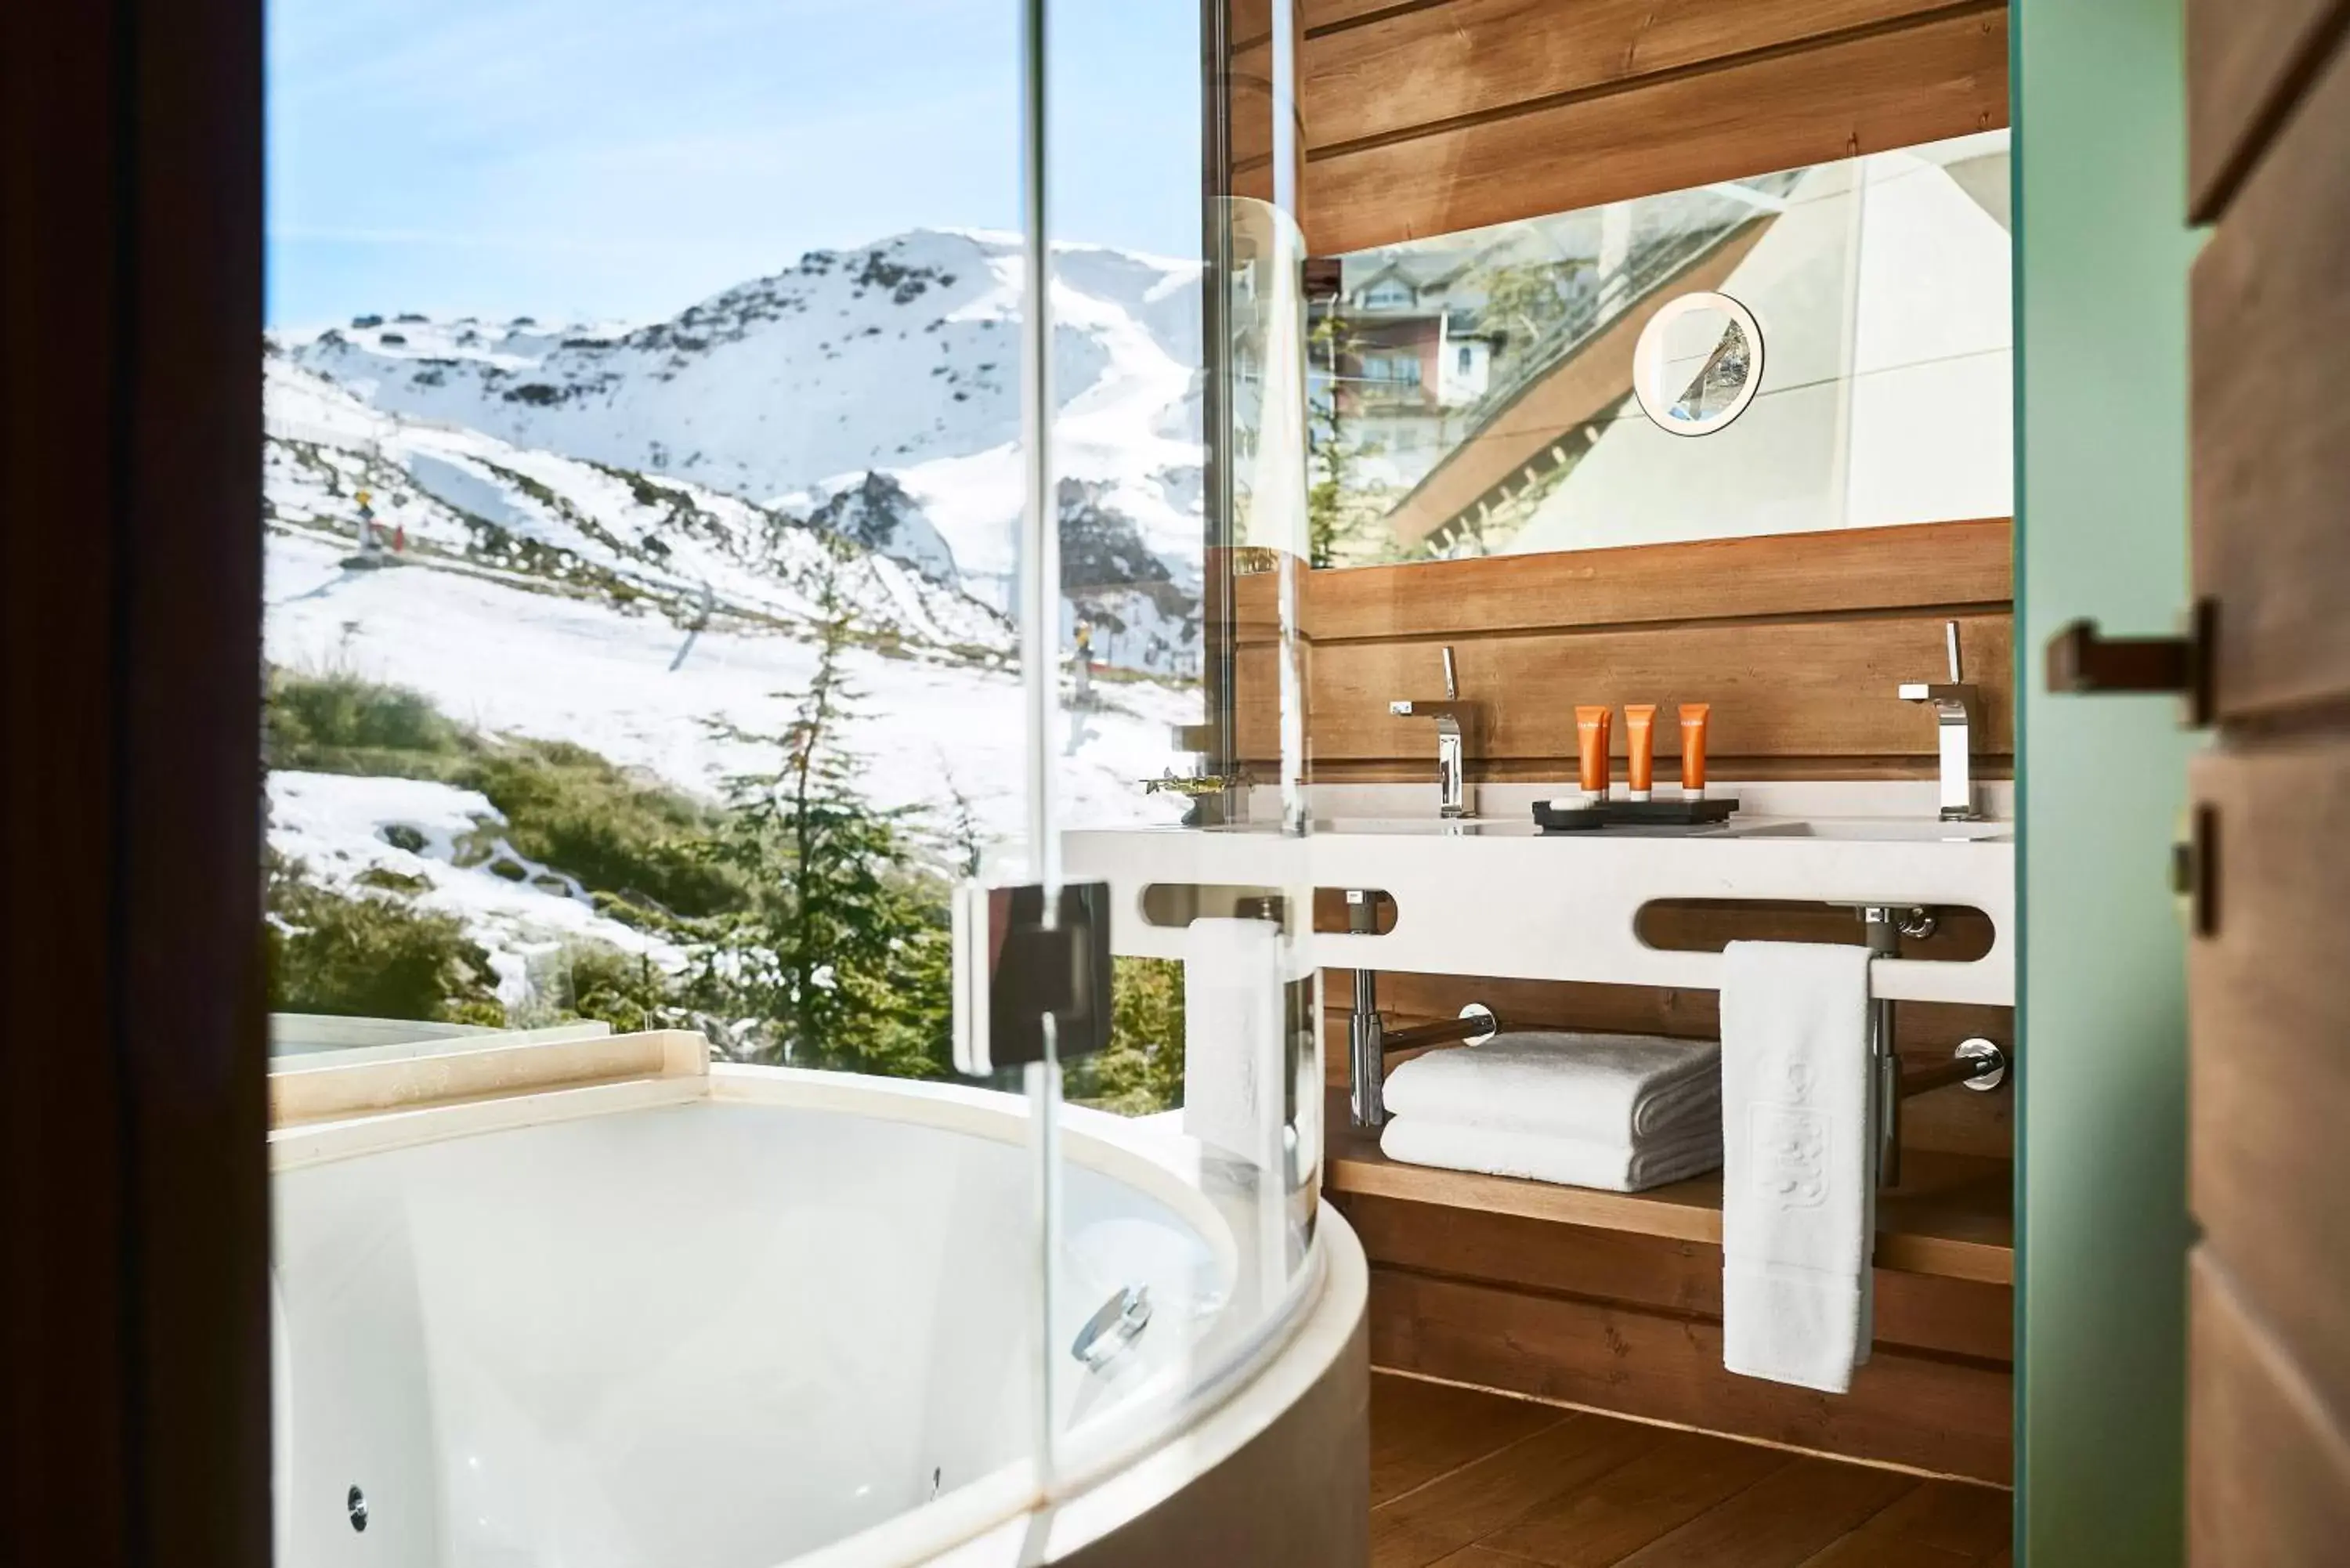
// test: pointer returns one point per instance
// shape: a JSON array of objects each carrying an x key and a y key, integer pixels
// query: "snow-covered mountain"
[
  {"x": 899, "y": 360},
  {"x": 643, "y": 617},
  {"x": 461, "y": 501},
  {"x": 628, "y": 539}
]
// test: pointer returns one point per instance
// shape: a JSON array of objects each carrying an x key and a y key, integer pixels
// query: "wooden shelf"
[{"x": 1952, "y": 1217}]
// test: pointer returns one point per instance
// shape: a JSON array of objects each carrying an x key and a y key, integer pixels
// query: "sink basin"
[{"x": 1876, "y": 829}]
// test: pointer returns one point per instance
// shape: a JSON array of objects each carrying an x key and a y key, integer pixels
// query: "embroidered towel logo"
[
  {"x": 1789, "y": 1141},
  {"x": 1791, "y": 1150}
]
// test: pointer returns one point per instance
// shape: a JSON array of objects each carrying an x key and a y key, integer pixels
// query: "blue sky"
[{"x": 574, "y": 158}]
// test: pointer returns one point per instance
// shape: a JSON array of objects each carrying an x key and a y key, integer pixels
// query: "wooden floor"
[{"x": 1464, "y": 1479}]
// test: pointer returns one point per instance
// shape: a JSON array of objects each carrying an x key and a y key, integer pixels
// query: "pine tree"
[{"x": 842, "y": 960}]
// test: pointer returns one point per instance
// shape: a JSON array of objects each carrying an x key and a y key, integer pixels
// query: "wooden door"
[{"x": 2269, "y": 965}]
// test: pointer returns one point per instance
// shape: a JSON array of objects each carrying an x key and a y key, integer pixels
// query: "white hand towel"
[
  {"x": 1798, "y": 1205},
  {"x": 1232, "y": 1045},
  {"x": 1601, "y": 1088},
  {"x": 1537, "y": 1157}
]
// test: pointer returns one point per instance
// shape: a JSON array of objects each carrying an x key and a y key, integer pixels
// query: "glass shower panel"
[
  {"x": 643, "y": 481},
  {"x": 1178, "y": 509}
]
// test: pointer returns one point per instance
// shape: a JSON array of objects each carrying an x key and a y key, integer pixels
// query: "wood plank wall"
[
  {"x": 1797, "y": 640},
  {"x": 1418, "y": 118},
  {"x": 1428, "y": 119}
]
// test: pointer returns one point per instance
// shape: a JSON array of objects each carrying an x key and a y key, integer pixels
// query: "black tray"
[{"x": 1552, "y": 817}]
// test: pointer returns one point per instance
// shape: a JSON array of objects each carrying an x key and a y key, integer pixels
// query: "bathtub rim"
[
  {"x": 1100, "y": 1141},
  {"x": 1119, "y": 1449}
]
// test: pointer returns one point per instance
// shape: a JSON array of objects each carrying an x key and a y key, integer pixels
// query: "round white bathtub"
[{"x": 716, "y": 1323}]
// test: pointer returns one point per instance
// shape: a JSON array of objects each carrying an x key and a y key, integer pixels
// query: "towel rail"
[{"x": 1977, "y": 1064}]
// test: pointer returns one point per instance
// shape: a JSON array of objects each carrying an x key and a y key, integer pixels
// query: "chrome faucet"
[
  {"x": 1451, "y": 752},
  {"x": 1955, "y": 706}
]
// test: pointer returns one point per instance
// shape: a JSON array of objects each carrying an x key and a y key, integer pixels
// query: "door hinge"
[
  {"x": 1014, "y": 971},
  {"x": 2082, "y": 660},
  {"x": 2195, "y": 871}
]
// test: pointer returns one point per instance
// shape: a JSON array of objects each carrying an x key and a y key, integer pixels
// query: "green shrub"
[
  {"x": 372, "y": 955},
  {"x": 334, "y": 723},
  {"x": 644, "y": 846}
]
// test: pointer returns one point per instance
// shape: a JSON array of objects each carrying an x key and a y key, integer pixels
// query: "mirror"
[
  {"x": 1531, "y": 387},
  {"x": 1698, "y": 364}
]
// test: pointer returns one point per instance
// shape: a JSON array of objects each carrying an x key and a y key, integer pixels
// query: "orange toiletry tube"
[
  {"x": 1640, "y": 745},
  {"x": 1693, "y": 717},
  {"x": 1591, "y": 726}
]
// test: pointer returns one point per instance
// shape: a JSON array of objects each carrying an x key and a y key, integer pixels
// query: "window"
[
  {"x": 1400, "y": 370},
  {"x": 1466, "y": 359},
  {"x": 1392, "y": 295}
]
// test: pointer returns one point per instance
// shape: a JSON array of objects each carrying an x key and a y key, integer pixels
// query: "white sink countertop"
[{"x": 1494, "y": 896}]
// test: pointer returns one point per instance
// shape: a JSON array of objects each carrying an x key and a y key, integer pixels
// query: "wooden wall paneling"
[
  {"x": 1429, "y": 65},
  {"x": 1665, "y": 621},
  {"x": 1955, "y": 1120},
  {"x": 1944, "y": 1415},
  {"x": 1249, "y": 81},
  {"x": 1913, "y": 567},
  {"x": 1957, "y": 1317},
  {"x": 1854, "y": 93},
  {"x": 2269, "y": 1018},
  {"x": 2271, "y": 533},
  {"x": 1809, "y": 689},
  {"x": 2247, "y": 64},
  {"x": 1322, "y": 14},
  {"x": 2268, "y": 1464}
]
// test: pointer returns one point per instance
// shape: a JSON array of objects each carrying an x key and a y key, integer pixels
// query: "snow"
[
  {"x": 901, "y": 357},
  {"x": 335, "y": 825},
  {"x": 694, "y": 545},
  {"x": 515, "y": 662}
]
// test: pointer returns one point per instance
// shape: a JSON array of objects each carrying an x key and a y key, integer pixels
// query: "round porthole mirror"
[{"x": 1698, "y": 364}]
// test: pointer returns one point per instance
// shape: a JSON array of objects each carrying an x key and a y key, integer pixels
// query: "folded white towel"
[
  {"x": 1538, "y": 1157},
  {"x": 1798, "y": 1205},
  {"x": 1232, "y": 1039},
  {"x": 1601, "y": 1088}
]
